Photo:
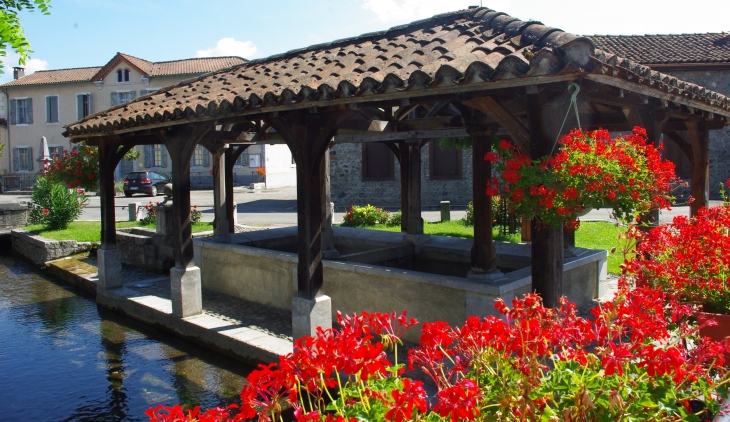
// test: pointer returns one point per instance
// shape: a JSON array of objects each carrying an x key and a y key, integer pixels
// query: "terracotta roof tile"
[
  {"x": 443, "y": 54},
  {"x": 668, "y": 49},
  {"x": 42, "y": 77},
  {"x": 191, "y": 66}
]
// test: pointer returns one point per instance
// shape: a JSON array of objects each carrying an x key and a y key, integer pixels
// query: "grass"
[
  {"x": 592, "y": 235},
  {"x": 90, "y": 231}
]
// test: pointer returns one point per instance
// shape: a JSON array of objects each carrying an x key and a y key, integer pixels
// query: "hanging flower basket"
[{"x": 590, "y": 170}]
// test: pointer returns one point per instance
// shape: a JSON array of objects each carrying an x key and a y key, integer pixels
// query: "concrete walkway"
[{"x": 235, "y": 327}]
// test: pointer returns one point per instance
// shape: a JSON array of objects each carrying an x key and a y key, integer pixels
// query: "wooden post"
[
  {"x": 547, "y": 242},
  {"x": 106, "y": 191},
  {"x": 404, "y": 162},
  {"x": 415, "y": 222},
  {"x": 483, "y": 253},
  {"x": 700, "y": 187},
  {"x": 220, "y": 199},
  {"x": 231, "y": 157}
]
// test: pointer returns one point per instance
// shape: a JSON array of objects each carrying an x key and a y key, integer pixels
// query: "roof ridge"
[
  {"x": 656, "y": 35},
  {"x": 201, "y": 58},
  {"x": 67, "y": 68},
  {"x": 134, "y": 57}
]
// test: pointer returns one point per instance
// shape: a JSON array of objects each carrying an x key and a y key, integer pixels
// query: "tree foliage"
[{"x": 11, "y": 32}]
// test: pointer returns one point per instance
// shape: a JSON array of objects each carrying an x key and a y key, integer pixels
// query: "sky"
[{"x": 84, "y": 33}]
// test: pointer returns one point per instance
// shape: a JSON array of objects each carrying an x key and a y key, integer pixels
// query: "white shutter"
[{"x": 115, "y": 98}]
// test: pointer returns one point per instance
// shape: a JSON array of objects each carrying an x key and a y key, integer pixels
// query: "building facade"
[{"x": 41, "y": 104}]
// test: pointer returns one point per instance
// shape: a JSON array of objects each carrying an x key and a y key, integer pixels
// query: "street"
[{"x": 278, "y": 207}]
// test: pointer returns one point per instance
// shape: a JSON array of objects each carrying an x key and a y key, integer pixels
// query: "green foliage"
[
  {"x": 469, "y": 217},
  {"x": 151, "y": 218},
  {"x": 496, "y": 215},
  {"x": 11, "y": 31},
  {"x": 461, "y": 142},
  {"x": 53, "y": 205},
  {"x": 90, "y": 231},
  {"x": 366, "y": 216},
  {"x": 119, "y": 187},
  {"x": 76, "y": 168},
  {"x": 195, "y": 215},
  {"x": 2, "y": 148},
  {"x": 132, "y": 154},
  {"x": 395, "y": 219}
]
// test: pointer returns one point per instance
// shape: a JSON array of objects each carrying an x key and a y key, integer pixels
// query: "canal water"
[{"x": 62, "y": 358}]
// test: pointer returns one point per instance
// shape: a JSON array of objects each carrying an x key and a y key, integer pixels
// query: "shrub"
[
  {"x": 151, "y": 217},
  {"x": 468, "y": 219},
  {"x": 119, "y": 187},
  {"x": 54, "y": 205},
  {"x": 395, "y": 219},
  {"x": 195, "y": 215},
  {"x": 365, "y": 216}
]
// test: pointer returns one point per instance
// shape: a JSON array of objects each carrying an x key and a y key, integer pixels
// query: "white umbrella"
[{"x": 44, "y": 155}]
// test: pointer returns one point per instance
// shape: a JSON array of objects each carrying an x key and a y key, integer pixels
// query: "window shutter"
[
  {"x": 79, "y": 106},
  {"x": 142, "y": 92},
  {"x": 29, "y": 114},
  {"x": 132, "y": 95},
  {"x": 30, "y": 158},
  {"x": 148, "y": 156},
  {"x": 206, "y": 157},
  {"x": 13, "y": 108},
  {"x": 115, "y": 98},
  {"x": 88, "y": 100},
  {"x": 163, "y": 163},
  {"x": 48, "y": 110},
  {"x": 16, "y": 159}
]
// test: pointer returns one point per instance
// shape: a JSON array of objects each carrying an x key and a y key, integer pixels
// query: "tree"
[{"x": 11, "y": 32}]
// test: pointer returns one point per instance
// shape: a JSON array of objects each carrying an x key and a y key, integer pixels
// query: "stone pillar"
[
  {"x": 164, "y": 221},
  {"x": 219, "y": 192},
  {"x": 445, "y": 210},
  {"x": 328, "y": 236},
  {"x": 134, "y": 211},
  {"x": 308, "y": 314}
]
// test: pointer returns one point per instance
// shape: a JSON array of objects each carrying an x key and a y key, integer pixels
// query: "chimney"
[{"x": 18, "y": 72}]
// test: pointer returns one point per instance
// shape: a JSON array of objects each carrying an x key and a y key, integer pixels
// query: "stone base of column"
[
  {"x": 488, "y": 276},
  {"x": 417, "y": 240},
  {"x": 308, "y": 314},
  {"x": 186, "y": 291},
  {"x": 574, "y": 252},
  {"x": 109, "y": 263},
  {"x": 235, "y": 213},
  {"x": 331, "y": 254}
]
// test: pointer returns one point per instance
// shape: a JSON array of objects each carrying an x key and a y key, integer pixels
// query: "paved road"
[{"x": 278, "y": 207}]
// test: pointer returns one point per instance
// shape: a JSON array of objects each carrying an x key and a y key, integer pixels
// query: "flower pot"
[{"x": 716, "y": 332}]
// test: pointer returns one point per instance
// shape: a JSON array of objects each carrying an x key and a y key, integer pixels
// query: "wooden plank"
[
  {"x": 700, "y": 185},
  {"x": 107, "y": 165},
  {"x": 682, "y": 143},
  {"x": 220, "y": 198},
  {"x": 415, "y": 222},
  {"x": 229, "y": 163},
  {"x": 489, "y": 106},
  {"x": 483, "y": 253},
  {"x": 398, "y": 136}
]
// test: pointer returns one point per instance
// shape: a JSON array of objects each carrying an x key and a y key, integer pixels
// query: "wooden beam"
[
  {"x": 107, "y": 164},
  {"x": 491, "y": 107},
  {"x": 682, "y": 143},
  {"x": 700, "y": 185},
  {"x": 483, "y": 253},
  {"x": 399, "y": 136}
]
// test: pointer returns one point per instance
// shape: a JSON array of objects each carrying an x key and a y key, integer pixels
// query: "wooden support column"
[
  {"x": 109, "y": 258},
  {"x": 231, "y": 155},
  {"x": 400, "y": 150},
  {"x": 547, "y": 242},
  {"x": 185, "y": 282},
  {"x": 483, "y": 253},
  {"x": 415, "y": 222},
  {"x": 221, "y": 226},
  {"x": 700, "y": 187}
]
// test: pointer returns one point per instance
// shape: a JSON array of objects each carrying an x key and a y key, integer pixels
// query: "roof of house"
[
  {"x": 468, "y": 50},
  {"x": 147, "y": 68},
  {"x": 668, "y": 49}
]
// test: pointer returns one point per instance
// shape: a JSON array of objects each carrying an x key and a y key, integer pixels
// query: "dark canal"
[{"x": 64, "y": 359}]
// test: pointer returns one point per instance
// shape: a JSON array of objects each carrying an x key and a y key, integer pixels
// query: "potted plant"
[
  {"x": 628, "y": 363},
  {"x": 689, "y": 259},
  {"x": 590, "y": 170}
]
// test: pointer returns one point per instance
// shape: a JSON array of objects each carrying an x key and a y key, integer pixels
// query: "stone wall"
[
  {"x": 716, "y": 80},
  {"x": 146, "y": 249},
  {"x": 348, "y": 187},
  {"x": 13, "y": 215},
  {"x": 40, "y": 250}
]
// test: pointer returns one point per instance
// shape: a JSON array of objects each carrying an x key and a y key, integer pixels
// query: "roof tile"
[{"x": 668, "y": 49}]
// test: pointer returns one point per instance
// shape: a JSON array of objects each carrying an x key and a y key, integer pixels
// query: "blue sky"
[{"x": 81, "y": 33}]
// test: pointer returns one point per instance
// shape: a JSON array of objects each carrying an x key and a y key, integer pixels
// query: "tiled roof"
[
  {"x": 190, "y": 66},
  {"x": 668, "y": 49},
  {"x": 42, "y": 77},
  {"x": 171, "y": 68},
  {"x": 468, "y": 50}
]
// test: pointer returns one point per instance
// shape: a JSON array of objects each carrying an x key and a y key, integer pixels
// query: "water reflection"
[{"x": 62, "y": 358}]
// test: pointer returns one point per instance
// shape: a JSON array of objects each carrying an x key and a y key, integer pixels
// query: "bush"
[
  {"x": 469, "y": 217},
  {"x": 119, "y": 187},
  {"x": 76, "y": 168},
  {"x": 395, "y": 219},
  {"x": 195, "y": 215},
  {"x": 365, "y": 216},
  {"x": 151, "y": 217},
  {"x": 54, "y": 205}
]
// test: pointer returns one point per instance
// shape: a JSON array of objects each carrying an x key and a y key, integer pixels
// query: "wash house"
[{"x": 476, "y": 73}]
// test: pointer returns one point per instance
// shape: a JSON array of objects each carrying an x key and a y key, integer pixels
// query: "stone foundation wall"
[
  {"x": 348, "y": 187},
  {"x": 40, "y": 250},
  {"x": 143, "y": 248},
  {"x": 13, "y": 215}
]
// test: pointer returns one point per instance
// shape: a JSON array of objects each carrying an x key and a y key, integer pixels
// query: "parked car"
[{"x": 148, "y": 182}]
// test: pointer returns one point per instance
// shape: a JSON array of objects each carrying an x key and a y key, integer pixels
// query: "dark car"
[{"x": 148, "y": 182}]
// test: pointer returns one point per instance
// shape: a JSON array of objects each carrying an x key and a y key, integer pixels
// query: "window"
[
  {"x": 201, "y": 157},
  {"x": 123, "y": 75},
  {"x": 21, "y": 111},
  {"x": 55, "y": 151},
  {"x": 444, "y": 164},
  {"x": 52, "y": 109},
  {"x": 120, "y": 97},
  {"x": 254, "y": 160},
  {"x": 148, "y": 91},
  {"x": 158, "y": 157},
  {"x": 23, "y": 158},
  {"x": 377, "y": 162},
  {"x": 242, "y": 160},
  {"x": 83, "y": 105}
]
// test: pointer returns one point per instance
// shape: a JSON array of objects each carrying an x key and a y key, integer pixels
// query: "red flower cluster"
[
  {"x": 688, "y": 259},
  {"x": 630, "y": 362},
  {"x": 76, "y": 168},
  {"x": 589, "y": 171}
]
